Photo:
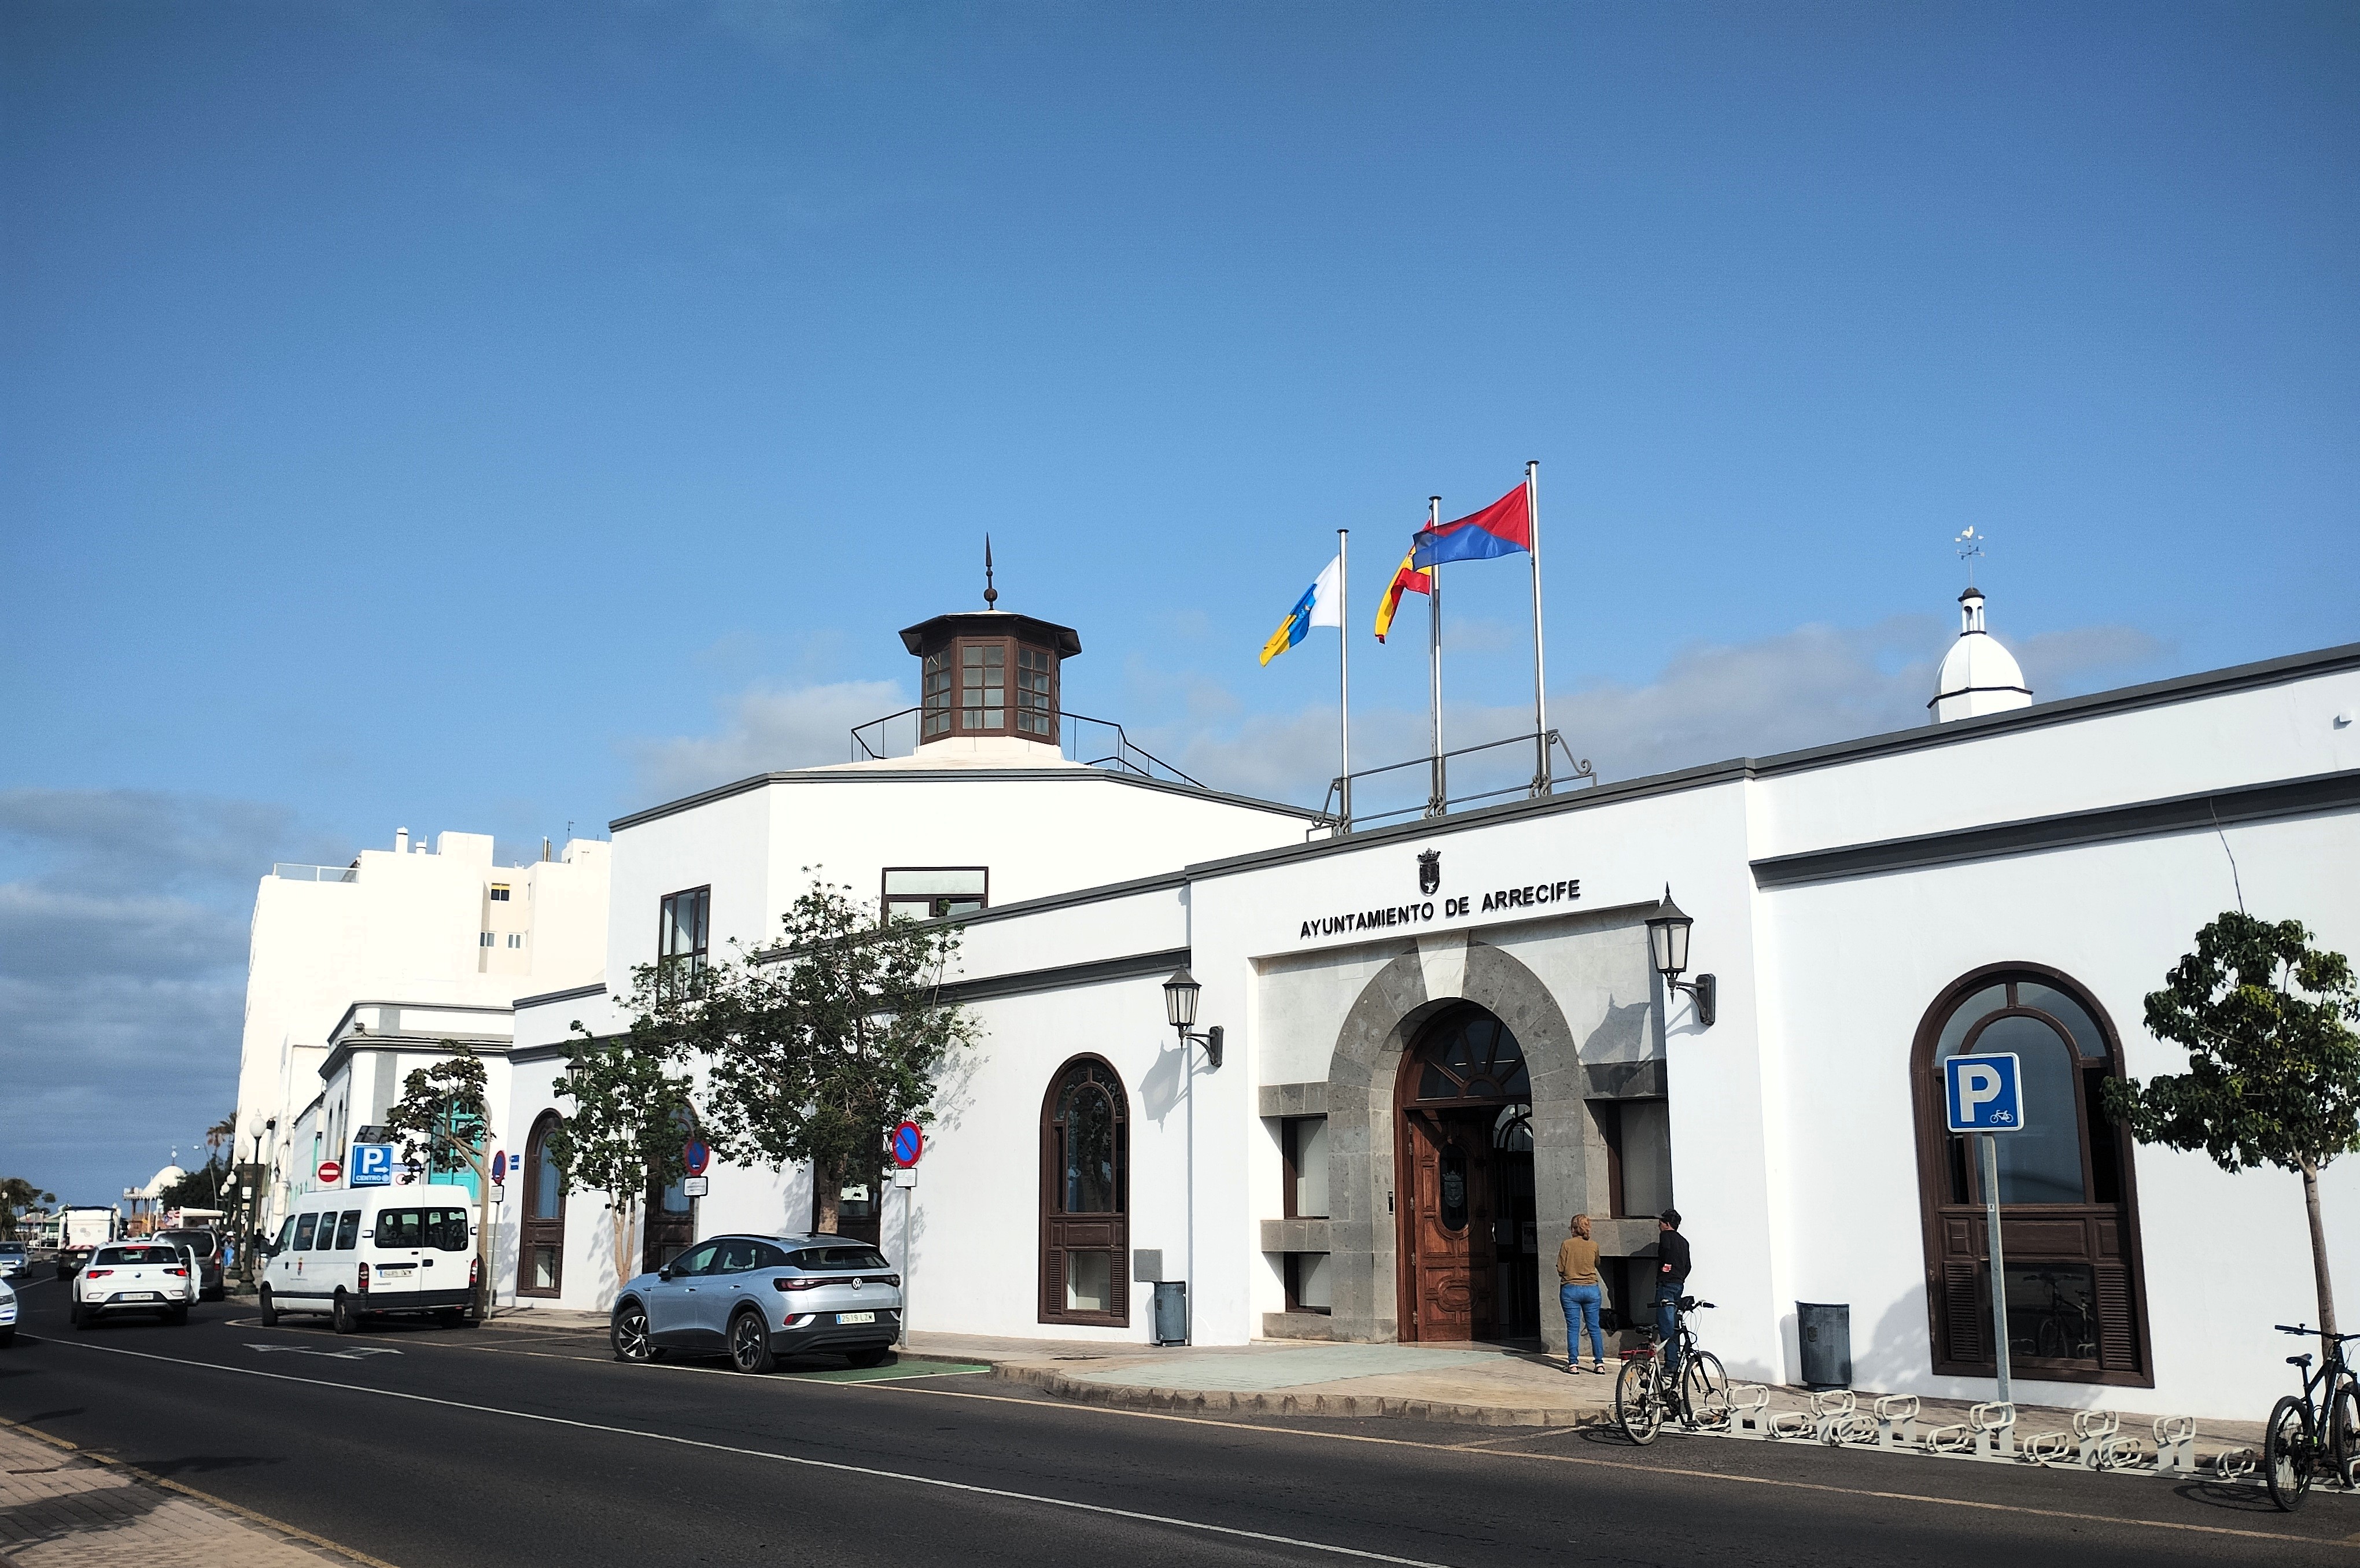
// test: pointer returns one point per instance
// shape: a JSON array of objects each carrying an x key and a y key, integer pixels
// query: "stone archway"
[{"x": 1570, "y": 1159}]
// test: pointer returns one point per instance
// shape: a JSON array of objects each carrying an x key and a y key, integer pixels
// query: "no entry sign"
[
  {"x": 330, "y": 1172},
  {"x": 909, "y": 1142}
]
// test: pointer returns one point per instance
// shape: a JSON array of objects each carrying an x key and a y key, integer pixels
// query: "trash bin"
[
  {"x": 1171, "y": 1312},
  {"x": 1825, "y": 1332}
]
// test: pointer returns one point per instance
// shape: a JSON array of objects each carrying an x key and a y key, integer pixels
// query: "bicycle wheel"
[
  {"x": 1637, "y": 1409},
  {"x": 2344, "y": 1434},
  {"x": 2051, "y": 1340},
  {"x": 2286, "y": 1453},
  {"x": 1704, "y": 1386}
]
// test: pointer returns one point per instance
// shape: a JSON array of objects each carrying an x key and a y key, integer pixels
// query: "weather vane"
[
  {"x": 1971, "y": 548},
  {"x": 990, "y": 595}
]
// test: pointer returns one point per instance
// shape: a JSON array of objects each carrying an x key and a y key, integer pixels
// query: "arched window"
[
  {"x": 2076, "y": 1300},
  {"x": 1085, "y": 1196},
  {"x": 670, "y": 1212},
  {"x": 541, "y": 1269}
]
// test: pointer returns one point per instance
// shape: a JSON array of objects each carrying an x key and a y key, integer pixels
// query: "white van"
[{"x": 358, "y": 1253}]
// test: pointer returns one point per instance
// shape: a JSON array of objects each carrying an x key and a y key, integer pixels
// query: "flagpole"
[
  {"x": 1434, "y": 808},
  {"x": 1540, "y": 679},
  {"x": 1344, "y": 675}
]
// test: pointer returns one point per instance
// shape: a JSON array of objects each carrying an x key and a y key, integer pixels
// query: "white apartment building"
[{"x": 426, "y": 926}]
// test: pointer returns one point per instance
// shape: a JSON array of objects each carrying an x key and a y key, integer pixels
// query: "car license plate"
[
  {"x": 138, "y": 1296},
  {"x": 856, "y": 1317}
]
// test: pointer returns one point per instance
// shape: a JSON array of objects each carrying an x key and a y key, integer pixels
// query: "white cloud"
[
  {"x": 766, "y": 728},
  {"x": 1711, "y": 702}
]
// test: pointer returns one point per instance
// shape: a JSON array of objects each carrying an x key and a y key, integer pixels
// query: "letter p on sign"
[{"x": 1982, "y": 1093}]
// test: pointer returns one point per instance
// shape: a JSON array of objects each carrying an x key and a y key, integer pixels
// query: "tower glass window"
[
  {"x": 1034, "y": 715},
  {"x": 936, "y": 702},
  {"x": 983, "y": 686}
]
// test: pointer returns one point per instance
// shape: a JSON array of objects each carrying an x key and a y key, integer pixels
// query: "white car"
[
  {"x": 134, "y": 1277},
  {"x": 7, "y": 1312}
]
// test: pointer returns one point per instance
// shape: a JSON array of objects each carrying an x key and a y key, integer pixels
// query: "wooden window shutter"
[
  {"x": 1962, "y": 1312},
  {"x": 1052, "y": 1282},
  {"x": 2117, "y": 1321},
  {"x": 1119, "y": 1288}
]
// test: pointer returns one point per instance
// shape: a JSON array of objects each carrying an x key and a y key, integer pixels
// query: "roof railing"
[
  {"x": 1093, "y": 743},
  {"x": 1336, "y": 818},
  {"x": 287, "y": 873}
]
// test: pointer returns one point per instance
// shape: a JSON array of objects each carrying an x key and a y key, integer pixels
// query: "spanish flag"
[{"x": 1410, "y": 578}]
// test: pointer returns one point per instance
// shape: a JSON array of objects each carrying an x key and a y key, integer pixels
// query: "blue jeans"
[
  {"x": 1580, "y": 1302},
  {"x": 1667, "y": 1317}
]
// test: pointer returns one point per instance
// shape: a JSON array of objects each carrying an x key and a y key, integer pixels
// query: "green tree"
[
  {"x": 442, "y": 1120},
  {"x": 16, "y": 1196},
  {"x": 631, "y": 1101},
  {"x": 2273, "y": 1061},
  {"x": 817, "y": 1049},
  {"x": 198, "y": 1189}
]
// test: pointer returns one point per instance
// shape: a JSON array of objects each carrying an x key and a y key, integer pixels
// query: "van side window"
[
  {"x": 446, "y": 1229},
  {"x": 303, "y": 1224},
  {"x": 397, "y": 1227},
  {"x": 348, "y": 1230},
  {"x": 286, "y": 1233}
]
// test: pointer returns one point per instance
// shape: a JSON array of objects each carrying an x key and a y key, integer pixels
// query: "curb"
[{"x": 1223, "y": 1401}]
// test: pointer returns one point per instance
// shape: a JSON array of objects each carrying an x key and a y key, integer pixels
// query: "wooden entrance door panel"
[{"x": 1450, "y": 1269}]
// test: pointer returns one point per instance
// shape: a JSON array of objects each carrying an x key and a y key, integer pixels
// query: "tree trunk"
[
  {"x": 623, "y": 1271},
  {"x": 827, "y": 1197},
  {"x": 2319, "y": 1260}
]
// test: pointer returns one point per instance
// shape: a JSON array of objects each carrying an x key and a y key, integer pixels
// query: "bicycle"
[
  {"x": 1644, "y": 1395},
  {"x": 2318, "y": 1429}
]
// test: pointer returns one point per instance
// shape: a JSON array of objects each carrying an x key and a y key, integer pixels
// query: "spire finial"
[
  {"x": 1971, "y": 548},
  {"x": 990, "y": 595}
]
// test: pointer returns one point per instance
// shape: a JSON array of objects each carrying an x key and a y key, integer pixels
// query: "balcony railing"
[
  {"x": 1507, "y": 768},
  {"x": 1093, "y": 743},
  {"x": 287, "y": 873}
]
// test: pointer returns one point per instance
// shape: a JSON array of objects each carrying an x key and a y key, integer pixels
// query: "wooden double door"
[{"x": 1464, "y": 1215}]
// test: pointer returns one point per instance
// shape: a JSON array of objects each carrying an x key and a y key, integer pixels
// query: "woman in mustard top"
[{"x": 1578, "y": 1289}]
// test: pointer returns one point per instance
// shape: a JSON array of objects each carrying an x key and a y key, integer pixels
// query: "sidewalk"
[{"x": 63, "y": 1508}]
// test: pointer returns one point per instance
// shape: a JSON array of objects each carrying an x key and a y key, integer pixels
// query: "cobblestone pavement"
[{"x": 60, "y": 1508}]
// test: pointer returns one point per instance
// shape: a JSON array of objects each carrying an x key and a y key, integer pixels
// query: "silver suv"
[{"x": 757, "y": 1298}]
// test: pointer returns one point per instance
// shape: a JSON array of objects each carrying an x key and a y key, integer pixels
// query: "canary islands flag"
[{"x": 1321, "y": 605}]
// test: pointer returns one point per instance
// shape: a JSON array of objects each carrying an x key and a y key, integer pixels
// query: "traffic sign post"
[
  {"x": 696, "y": 1156},
  {"x": 909, "y": 1144},
  {"x": 330, "y": 1172},
  {"x": 1982, "y": 1095},
  {"x": 373, "y": 1164}
]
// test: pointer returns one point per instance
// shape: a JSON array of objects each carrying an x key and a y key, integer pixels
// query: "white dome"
[
  {"x": 166, "y": 1180},
  {"x": 1978, "y": 675}
]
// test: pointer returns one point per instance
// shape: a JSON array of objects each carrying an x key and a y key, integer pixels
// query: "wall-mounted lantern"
[
  {"x": 1667, "y": 943},
  {"x": 1180, "y": 995}
]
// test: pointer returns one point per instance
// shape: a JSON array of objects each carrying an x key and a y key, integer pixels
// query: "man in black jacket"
[{"x": 1672, "y": 1262}]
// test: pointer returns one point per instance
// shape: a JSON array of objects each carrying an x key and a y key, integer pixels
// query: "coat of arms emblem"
[{"x": 1430, "y": 870}]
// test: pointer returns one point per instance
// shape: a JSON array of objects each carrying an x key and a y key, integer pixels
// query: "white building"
[
  {"x": 439, "y": 926},
  {"x": 1444, "y": 1038}
]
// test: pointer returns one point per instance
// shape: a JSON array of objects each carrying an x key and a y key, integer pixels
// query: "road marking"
[
  {"x": 358, "y": 1352},
  {"x": 222, "y": 1503},
  {"x": 1101, "y": 1508},
  {"x": 1053, "y": 1403}
]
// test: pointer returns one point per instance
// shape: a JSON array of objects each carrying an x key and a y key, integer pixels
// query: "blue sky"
[{"x": 486, "y": 416}]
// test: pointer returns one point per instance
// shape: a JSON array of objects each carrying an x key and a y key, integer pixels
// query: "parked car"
[
  {"x": 373, "y": 1252},
  {"x": 207, "y": 1247},
  {"x": 14, "y": 1261},
  {"x": 757, "y": 1298},
  {"x": 134, "y": 1277},
  {"x": 7, "y": 1312}
]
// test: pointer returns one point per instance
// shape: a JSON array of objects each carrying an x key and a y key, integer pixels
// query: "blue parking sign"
[
  {"x": 373, "y": 1165},
  {"x": 1981, "y": 1094}
]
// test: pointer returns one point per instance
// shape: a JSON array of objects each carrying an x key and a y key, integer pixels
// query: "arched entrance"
[
  {"x": 1464, "y": 1146},
  {"x": 542, "y": 1245},
  {"x": 2076, "y": 1299}
]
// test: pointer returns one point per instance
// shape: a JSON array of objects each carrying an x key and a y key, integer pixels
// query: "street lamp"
[
  {"x": 1667, "y": 943},
  {"x": 1180, "y": 995}
]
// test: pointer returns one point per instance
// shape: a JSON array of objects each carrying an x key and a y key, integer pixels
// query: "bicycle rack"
[
  {"x": 1897, "y": 1422},
  {"x": 2175, "y": 1445}
]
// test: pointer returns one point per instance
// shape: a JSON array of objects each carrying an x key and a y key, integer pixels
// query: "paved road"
[{"x": 427, "y": 1448}]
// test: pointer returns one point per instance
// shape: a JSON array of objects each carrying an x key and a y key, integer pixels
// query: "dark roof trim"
[
  {"x": 598, "y": 989},
  {"x": 1162, "y": 882},
  {"x": 2040, "y": 716},
  {"x": 2148, "y": 819},
  {"x": 939, "y": 774},
  {"x": 416, "y": 1044},
  {"x": 940, "y": 629},
  {"x": 1067, "y": 976}
]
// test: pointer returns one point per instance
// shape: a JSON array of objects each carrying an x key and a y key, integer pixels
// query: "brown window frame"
[
  {"x": 954, "y": 654},
  {"x": 1062, "y": 1233},
  {"x": 701, "y": 955},
  {"x": 883, "y": 914},
  {"x": 2111, "y": 1244}
]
